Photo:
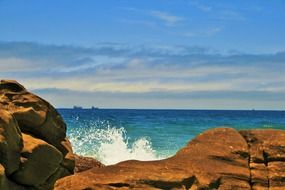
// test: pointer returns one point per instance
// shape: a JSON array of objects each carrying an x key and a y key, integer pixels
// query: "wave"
[{"x": 110, "y": 145}]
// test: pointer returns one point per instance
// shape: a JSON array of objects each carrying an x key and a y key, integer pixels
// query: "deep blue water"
[{"x": 113, "y": 135}]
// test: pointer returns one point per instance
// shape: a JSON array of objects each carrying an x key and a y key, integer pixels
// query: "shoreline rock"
[
  {"x": 220, "y": 158},
  {"x": 33, "y": 145},
  {"x": 83, "y": 163}
]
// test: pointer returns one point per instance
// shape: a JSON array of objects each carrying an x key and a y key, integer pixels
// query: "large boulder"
[
  {"x": 10, "y": 142},
  {"x": 220, "y": 158},
  {"x": 33, "y": 114},
  {"x": 34, "y": 150},
  {"x": 38, "y": 162}
]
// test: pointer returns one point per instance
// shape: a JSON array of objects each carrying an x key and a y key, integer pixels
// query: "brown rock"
[
  {"x": 5, "y": 183},
  {"x": 220, "y": 158},
  {"x": 217, "y": 159},
  {"x": 85, "y": 163},
  {"x": 69, "y": 159},
  {"x": 45, "y": 155},
  {"x": 49, "y": 183},
  {"x": 33, "y": 114},
  {"x": 39, "y": 161},
  {"x": 267, "y": 149},
  {"x": 10, "y": 142},
  {"x": 11, "y": 86},
  {"x": 259, "y": 173}
]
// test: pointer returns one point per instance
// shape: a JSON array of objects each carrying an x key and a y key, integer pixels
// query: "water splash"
[{"x": 110, "y": 145}]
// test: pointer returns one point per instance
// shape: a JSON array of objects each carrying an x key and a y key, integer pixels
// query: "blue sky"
[{"x": 147, "y": 54}]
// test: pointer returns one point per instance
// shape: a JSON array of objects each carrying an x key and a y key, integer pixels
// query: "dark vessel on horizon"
[{"x": 77, "y": 107}]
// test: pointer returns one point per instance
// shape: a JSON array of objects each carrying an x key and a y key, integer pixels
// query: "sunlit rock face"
[
  {"x": 220, "y": 158},
  {"x": 33, "y": 145}
]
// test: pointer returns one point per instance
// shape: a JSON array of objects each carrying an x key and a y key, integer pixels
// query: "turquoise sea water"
[{"x": 114, "y": 135}]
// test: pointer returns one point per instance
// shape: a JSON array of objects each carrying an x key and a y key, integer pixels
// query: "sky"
[{"x": 163, "y": 54}]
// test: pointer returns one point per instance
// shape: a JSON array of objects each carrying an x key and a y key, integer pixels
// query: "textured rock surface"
[
  {"x": 220, "y": 158},
  {"x": 6, "y": 184},
  {"x": 39, "y": 161},
  {"x": 267, "y": 158},
  {"x": 85, "y": 163},
  {"x": 33, "y": 114},
  {"x": 10, "y": 142},
  {"x": 34, "y": 149}
]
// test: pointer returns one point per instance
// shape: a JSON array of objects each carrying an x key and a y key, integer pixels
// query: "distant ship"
[
  {"x": 77, "y": 108},
  {"x": 94, "y": 108}
]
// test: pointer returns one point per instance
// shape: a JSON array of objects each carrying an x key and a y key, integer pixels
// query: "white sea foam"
[{"x": 110, "y": 145}]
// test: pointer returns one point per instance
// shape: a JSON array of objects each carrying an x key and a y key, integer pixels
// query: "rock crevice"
[{"x": 267, "y": 155}]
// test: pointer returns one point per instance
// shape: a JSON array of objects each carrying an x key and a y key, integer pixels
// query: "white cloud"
[
  {"x": 221, "y": 12},
  {"x": 15, "y": 64},
  {"x": 171, "y": 71},
  {"x": 168, "y": 18}
]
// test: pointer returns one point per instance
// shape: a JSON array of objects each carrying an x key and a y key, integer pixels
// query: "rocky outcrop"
[
  {"x": 33, "y": 145},
  {"x": 267, "y": 158},
  {"x": 35, "y": 153},
  {"x": 85, "y": 163},
  {"x": 220, "y": 158}
]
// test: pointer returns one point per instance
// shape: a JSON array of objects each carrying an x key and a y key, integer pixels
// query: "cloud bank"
[{"x": 125, "y": 76}]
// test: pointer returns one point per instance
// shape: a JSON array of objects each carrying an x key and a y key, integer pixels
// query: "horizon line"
[{"x": 178, "y": 109}]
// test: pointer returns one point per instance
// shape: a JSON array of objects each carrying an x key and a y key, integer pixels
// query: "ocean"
[{"x": 114, "y": 135}]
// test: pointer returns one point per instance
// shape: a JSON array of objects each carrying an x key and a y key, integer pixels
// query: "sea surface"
[{"x": 114, "y": 135}]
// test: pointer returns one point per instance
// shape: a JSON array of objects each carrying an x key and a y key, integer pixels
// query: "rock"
[
  {"x": 39, "y": 161},
  {"x": 33, "y": 114},
  {"x": 48, "y": 184},
  {"x": 267, "y": 158},
  {"x": 6, "y": 184},
  {"x": 216, "y": 159},
  {"x": 220, "y": 158},
  {"x": 34, "y": 150},
  {"x": 10, "y": 142},
  {"x": 11, "y": 86},
  {"x": 69, "y": 159},
  {"x": 85, "y": 163}
]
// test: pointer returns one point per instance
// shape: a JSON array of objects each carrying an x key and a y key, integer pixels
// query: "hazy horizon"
[{"x": 185, "y": 54}]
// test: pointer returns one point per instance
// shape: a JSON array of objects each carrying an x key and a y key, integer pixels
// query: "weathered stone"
[
  {"x": 11, "y": 86},
  {"x": 85, "y": 163},
  {"x": 49, "y": 183},
  {"x": 10, "y": 142},
  {"x": 46, "y": 154},
  {"x": 217, "y": 158},
  {"x": 39, "y": 161},
  {"x": 276, "y": 174},
  {"x": 33, "y": 114},
  {"x": 5, "y": 183},
  {"x": 267, "y": 151},
  {"x": 69, "y": 159},
  {"x": 259, "y": 173}
]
